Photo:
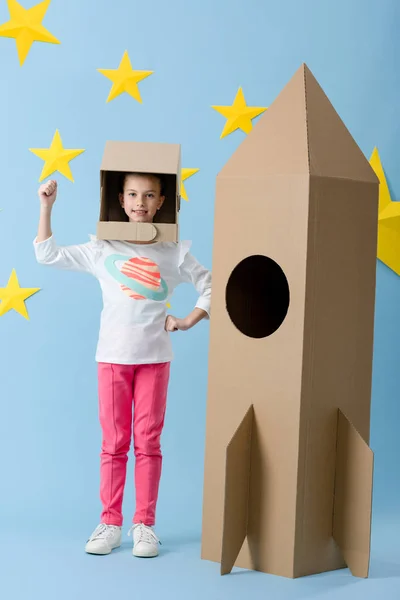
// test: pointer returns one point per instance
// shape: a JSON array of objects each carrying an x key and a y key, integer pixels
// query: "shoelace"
[
  {"x": 146, "y": 534},
  {"x": 102, "y": 531}
]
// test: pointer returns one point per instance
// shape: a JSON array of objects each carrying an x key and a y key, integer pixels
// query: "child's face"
[{"x": 141, "y": 198}]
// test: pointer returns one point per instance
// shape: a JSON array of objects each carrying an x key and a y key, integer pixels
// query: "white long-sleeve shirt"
[{"x": 137, "y": 281}]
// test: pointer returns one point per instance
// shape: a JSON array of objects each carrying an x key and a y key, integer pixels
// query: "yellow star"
[
  {"x": 124, "y": 79},
  {"x": 14, "y": 296},
  {"x": 56, "y": 158},
  {"x": 185, "y": 174},
  {"x": 239, "y": 115},
  {"x": 25, "y": 26},
  {"x": 388, "y": 219}
]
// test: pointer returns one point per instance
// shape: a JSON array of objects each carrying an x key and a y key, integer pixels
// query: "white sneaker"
[
  {"x": 104, "y": 539},
  {"x": 145, "y": 541}
]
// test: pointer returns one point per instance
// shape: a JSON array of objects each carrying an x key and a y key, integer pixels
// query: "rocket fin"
[
  {"x": 237, "y": 489},
  {"x": 353, "y": 497}
]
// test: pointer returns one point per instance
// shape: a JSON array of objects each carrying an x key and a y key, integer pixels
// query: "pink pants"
[{"x": 122, "y": 388}]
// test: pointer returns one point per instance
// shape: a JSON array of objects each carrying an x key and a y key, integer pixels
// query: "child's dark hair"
[{"x": 159, "y": 178}]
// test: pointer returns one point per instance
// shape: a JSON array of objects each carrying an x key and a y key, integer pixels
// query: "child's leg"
[
  {"x": 149, "y": 397},
  {"x": 115, "y": 412}
]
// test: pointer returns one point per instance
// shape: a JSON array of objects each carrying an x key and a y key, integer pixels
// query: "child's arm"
[
  {"x": 174, "y": 324},
  {"x": 73, "y": 258},
  {"x": 44, "y": 229},
  {"x": 193, "y": 272}
]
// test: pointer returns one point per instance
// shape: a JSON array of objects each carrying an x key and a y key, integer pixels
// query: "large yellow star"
[
  {"x": 56, "y": 158},
  {"x": 124, "y": 79},
  {"x": 239, "y": 115},
  {"x": 388, "y": 219},
  {"x": 13, "y": 296},
  {"x": 25, "y": 26},
  {"x": 185, "y": 174}
]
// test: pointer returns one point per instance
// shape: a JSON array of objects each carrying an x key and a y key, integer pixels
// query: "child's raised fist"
[{"x": 48, "y": 193}]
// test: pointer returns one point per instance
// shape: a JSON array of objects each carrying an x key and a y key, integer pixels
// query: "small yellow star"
[
  {"x": 13, "y": 296},
  {"x": 124, "y": 79},
  {"x": 185, "y": 174},
  {"x": 239, "y": 115},
  {"x": 56, "y": 158},
  {"x": 388, "y": 219},
  {"x": 25, "y": 26}
]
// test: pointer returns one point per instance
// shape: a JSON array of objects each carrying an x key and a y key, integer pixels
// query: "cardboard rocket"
[
  {"x": 139, "y": 157},
  {"x": 288, "y": 468}
]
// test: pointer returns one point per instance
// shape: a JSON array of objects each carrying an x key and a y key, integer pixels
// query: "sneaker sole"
[
  {"x": 138, "y": 555},
  {"x": 101, "y": 553}
]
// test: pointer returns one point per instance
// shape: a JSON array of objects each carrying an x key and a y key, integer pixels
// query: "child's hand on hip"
[
  {"x": 174, "y": 324},
  {"x": 48, "y": 193}
]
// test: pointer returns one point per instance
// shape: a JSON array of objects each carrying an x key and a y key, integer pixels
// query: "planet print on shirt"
[{"x": 139, "y": 277}]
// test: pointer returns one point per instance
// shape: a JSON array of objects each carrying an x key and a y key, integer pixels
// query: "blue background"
[{"x": 200, "y": 52}]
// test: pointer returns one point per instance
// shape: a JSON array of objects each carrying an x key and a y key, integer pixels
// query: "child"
[{"x": 133, "y": 351}]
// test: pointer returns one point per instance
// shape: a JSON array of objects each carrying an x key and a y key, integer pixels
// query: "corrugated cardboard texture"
[
  {"x": 140, "y": 232},
  {"x": 320, "y": 228},
  {"x": 337, "y": 351},
  {"x": 266, "y": 372},
  {"x": 237, "y": 488},
  {"x": 300, "y": 133},
  {"x": 143, "y": 157},
  {"x": 353, "y": 497},
  {"x": 127, "y": 157}
]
